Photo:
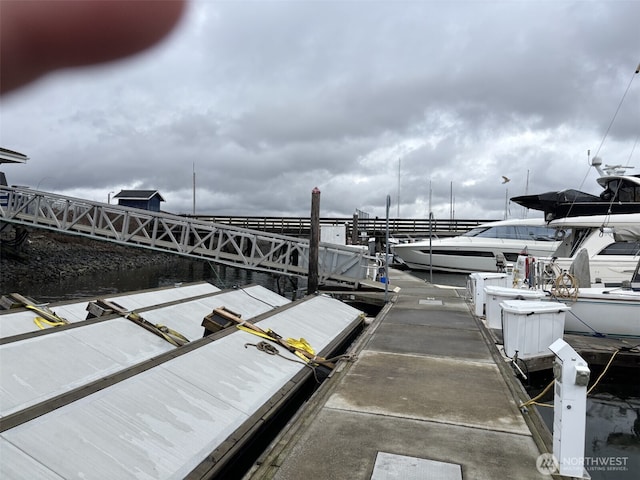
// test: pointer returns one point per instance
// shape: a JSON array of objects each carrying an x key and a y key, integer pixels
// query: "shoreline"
[{"x": 51, "y": 256}]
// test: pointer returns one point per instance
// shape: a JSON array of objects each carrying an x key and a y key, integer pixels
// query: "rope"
[
  {"x": 534, "y": 401},
  {"x": 603, "y": 372},
  {"x": 607, "y": 132},
  {"x": 300, "y": 347},
  {"x": 297, "y": 347},
  {"x": 633, "y": 76},
  {"x": 222, "y": 282},
  {"x": 595, "y": 332},
  {"x": 270, "y": 349},
  {"x": 242, "y": 289},
  {"x": 566, "y": 286}
]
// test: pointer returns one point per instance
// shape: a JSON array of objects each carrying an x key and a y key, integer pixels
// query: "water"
[
  {"x": 180, "y": 271},
  {"x": 612, "y": 436}
]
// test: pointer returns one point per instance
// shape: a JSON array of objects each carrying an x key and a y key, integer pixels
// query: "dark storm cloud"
[{"x": 266, "y": 100}]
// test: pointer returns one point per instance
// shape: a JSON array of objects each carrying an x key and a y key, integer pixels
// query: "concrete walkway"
[{"x": 424, "y": 385}]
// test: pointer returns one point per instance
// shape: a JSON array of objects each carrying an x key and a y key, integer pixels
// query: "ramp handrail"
[{"x": 164, "y": 232}]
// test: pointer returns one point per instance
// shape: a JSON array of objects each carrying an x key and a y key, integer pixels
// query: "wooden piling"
[
  {"x": 314, "y": 241},
  {"x": 354, "y": 230}
]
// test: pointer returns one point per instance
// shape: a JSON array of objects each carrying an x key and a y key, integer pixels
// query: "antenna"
[
  {"x": 609, "y": 169},
  {"x": 616, "y": 169},
  {"x": 451, "y": 201},
  {"x": 398, "y": 214},
  {"x": 194, "y": 188},
  {"x": 526, "y": 192}
]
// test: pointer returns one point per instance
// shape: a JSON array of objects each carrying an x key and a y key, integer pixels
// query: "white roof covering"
[
  {"x": 37, "y": 368},
  {"x": 187, "y": 318},
  {"x": 42, "y": 367},
  {"x": 15, "y": 323},
  {"x": 155, "y": 297},
  {"x": 160, "y": 423}
]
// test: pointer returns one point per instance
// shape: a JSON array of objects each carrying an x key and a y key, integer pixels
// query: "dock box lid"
[
  {"x": 525, "y": 307},
  {"x": 513, "y": 292}
]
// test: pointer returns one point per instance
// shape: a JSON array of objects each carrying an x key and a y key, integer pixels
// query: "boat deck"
[{"x": 428, "y": 393}]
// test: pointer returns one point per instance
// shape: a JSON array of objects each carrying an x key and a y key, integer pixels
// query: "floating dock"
[
  {"x": 428, "y": 397},
  {"x": 596, "y": 351}
]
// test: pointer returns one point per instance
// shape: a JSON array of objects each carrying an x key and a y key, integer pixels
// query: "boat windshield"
[
  {"x": 621, "y": 191},
  {"x": 621, "y": 248},
  {"x": 515, "y": 232}
]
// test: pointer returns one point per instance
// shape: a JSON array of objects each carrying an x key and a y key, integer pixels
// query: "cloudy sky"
[{"x": 363, "y": 99}]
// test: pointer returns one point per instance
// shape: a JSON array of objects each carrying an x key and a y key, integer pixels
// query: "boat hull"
[
  {"x": 463, "y": 255},
  {"x": 609, "y": 312}
]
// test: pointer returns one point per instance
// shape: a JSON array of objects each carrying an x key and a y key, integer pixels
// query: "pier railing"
[{"x": 356, "y": 228}]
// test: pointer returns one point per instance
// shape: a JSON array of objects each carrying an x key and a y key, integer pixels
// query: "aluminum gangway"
[{"x": 163, "y": 232}]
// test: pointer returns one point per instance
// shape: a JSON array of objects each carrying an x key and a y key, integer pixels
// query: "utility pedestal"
[{"x": 571, "y": 375}]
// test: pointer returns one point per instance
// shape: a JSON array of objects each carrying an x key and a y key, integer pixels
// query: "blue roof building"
[{"x": 144, "y": 199}]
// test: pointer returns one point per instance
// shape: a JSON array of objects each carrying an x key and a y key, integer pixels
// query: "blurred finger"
[{"x": 38, "y": 36}]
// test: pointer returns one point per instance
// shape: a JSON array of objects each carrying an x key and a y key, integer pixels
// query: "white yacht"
[
  {"x": 479, "y": 249},
  {"x": 612, "y": 244},
  {"x": 613, "y": 312},
  {"x": 596, "y": 309}
]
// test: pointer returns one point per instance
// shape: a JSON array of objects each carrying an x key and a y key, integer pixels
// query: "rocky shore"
[{"x": 52, "y": 256}]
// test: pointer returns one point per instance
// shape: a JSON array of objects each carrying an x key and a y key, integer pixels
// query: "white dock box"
[
  {"x": 476, "y": 283},
  {"x": 531, "y": 326},
  {"x": 496, "y": 295}
]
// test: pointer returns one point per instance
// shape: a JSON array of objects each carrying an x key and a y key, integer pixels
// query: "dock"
[
  {"x": 596, "y": 351},
  {"x": 427, "y": 397}
]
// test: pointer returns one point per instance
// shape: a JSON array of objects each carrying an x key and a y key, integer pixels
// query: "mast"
[{"x": 194, "y": 188}]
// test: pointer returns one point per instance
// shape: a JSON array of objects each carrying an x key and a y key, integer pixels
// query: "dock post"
[
  {"x": 354, "y": 230},
  {"x": 314, "y": 241}
]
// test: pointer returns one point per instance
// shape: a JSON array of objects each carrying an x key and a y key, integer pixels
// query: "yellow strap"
[
  {"x": 39, "y": 321},
  {"x": 300, "y": 344},
  {"x": 172, "y": 332},
  {"x": 254, "y": 332},
  {"x": 302, "y": 356},
  {"x": 46, "y": 313}
]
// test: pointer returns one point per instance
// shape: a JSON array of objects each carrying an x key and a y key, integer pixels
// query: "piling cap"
[{"x": 315, "y": 190}]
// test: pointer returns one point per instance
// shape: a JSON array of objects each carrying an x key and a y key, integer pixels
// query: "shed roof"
[
  {"x": 138, "y": 195},
  {"x": 9, "y": 156}
]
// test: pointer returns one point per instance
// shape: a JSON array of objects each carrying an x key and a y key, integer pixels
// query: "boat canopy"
[{"x": 549, "y": 202}]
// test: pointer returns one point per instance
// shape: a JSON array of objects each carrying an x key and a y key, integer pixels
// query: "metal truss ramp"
[{"x": 193, "y": 238}]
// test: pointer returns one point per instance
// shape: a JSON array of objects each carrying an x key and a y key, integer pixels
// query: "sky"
[{"x": 428, "y": 102}]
